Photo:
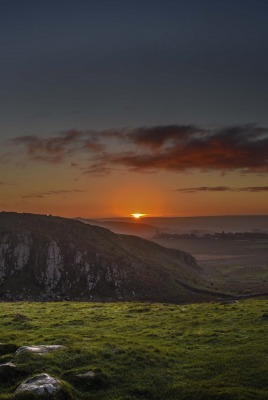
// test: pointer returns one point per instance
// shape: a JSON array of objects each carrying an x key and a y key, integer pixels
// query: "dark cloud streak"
[
  {"x": 156, "y": 137},
  {"x": 58, "y": 148},
  {"x": 52, "y": 193},
  {"x": 176, "y": 148},
  {"x": 3, "y": 183},
  {"x": 242, "y": 148},
  {"x": 251, "y": 189}
]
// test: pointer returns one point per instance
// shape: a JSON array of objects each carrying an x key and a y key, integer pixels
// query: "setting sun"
[{"x": 137, "y": 216}]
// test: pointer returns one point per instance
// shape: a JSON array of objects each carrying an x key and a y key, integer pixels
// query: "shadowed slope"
[{"x": 44, "y": 257}]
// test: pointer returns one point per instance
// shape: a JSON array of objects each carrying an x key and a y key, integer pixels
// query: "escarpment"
[{"x": 53, "y": 258}]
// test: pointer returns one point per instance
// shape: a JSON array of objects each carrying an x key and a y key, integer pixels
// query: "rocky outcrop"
[
  {"x": 40, "y": 349},
  {"x": 42, "y": 384},
  {"x": 52, "y": 258}
]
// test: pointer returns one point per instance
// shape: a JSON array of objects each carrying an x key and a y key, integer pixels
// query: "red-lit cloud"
[
  {"x": 242, "y": 148},
  {"x": 174, "y": 148}
]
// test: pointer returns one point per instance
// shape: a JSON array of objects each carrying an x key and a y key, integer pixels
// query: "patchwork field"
[
  {"x": 235, "y": 266},
  {"x": 131, "y": 351}
]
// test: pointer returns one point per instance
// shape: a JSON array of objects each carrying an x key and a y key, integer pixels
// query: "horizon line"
[{"x": 141, "y": 218}]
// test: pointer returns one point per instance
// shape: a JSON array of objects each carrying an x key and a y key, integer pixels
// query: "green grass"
[{"x": 140, "y": 350}]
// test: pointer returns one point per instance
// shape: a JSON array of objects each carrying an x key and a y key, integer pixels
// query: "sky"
[{"x": 113, "y": 107}]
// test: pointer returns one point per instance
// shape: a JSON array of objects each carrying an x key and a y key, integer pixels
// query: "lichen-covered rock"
[
  {"x": 42, "y": 384},
  {"x": 22, "y": 251},
  {"x": 54, "y": 265},
  {"x": 87, "y": 375},
  {"x": 41, "y": 349},
  {"x": 8, "y": 365}
]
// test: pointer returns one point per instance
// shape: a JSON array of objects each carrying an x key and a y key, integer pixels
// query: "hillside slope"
[
  {"x": 136, "y": 228},
  {"x": 48, "y": 258}
]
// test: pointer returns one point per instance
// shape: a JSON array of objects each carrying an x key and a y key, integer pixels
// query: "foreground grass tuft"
[{"x": 132, "y": 351}]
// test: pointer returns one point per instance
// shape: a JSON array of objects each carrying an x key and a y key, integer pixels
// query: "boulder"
[
  {"x": 87, "y": 375},
  {"x": 42, "y": 384},
  {"x": 8, "y": 365},
  {"x": 40, "y": 349}
]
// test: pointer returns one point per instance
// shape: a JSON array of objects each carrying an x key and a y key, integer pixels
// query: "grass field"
[
  {"x": 141, "y": 351},
  {"x": 226, "y": 261}
]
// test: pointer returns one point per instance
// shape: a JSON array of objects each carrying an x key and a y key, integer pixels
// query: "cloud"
[
  {"x": 252, "y": 189},
  {"x": 3, "y": 183},
  {"x": 176, "y": 148},
  {"x": 5, "y": 158},
  {"x": 57, "y": 148},
  {"x": 243, "y": 148},
  {"x": 157, "y": 137},
  {"x": 97, "y": 170},
  {"x": 52, "y": 193},
  {"x": 255, "y": 189}
]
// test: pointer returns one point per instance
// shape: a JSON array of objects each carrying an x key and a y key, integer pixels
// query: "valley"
[
  {"x": 87, "y": 313},
  {"x": 237, "y": 263}
]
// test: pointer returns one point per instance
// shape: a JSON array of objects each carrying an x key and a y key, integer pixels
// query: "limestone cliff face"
[{"x": 48, "y": 258}]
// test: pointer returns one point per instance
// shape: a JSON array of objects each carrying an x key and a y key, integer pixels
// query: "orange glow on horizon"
[{"x": 137, "y": 215}]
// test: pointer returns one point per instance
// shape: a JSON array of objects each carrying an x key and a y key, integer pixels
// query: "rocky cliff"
[{"x": 53, "y": 258}]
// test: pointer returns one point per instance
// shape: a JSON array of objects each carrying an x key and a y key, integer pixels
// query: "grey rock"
[
  {"x": 40, "y": 349},
  {"x": 8, "y": 365},
  {"x": 40, "y": 384},
  {"x": 87, "y": 375}
]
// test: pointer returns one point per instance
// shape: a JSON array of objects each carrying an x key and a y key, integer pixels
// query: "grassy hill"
[
  {"x": 132, "y": 227},
  {"x": 47, "y": 258},
  {"x": 140, "y": 350}
]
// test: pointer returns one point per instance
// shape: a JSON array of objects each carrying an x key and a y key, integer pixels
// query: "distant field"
[
  {"x": 142, "y": 351},
  {"x": 233, "y": 265},
  {"x": 231, "y": 223}
]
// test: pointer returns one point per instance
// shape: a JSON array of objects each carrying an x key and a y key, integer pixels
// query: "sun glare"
[{"x": 137, "y": 216}]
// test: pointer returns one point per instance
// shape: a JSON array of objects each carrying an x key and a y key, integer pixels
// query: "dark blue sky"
[
  {"x": 110, "y": 64},
  {"x": 111, "y": 107}
]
